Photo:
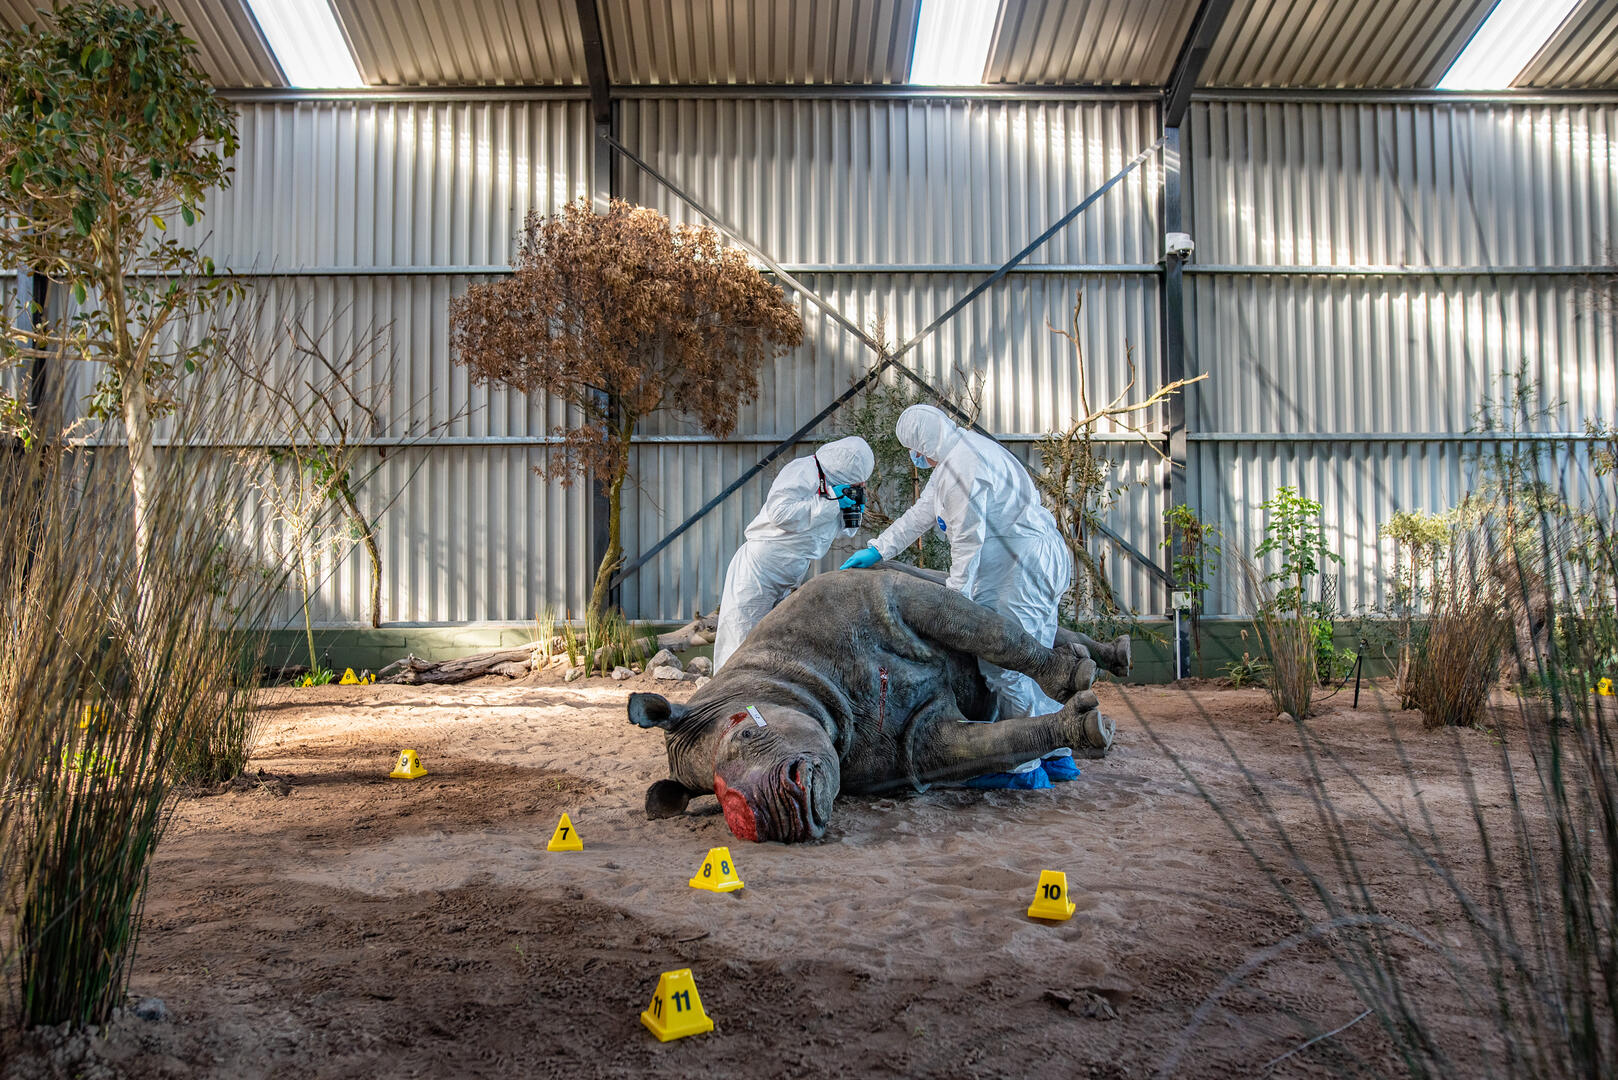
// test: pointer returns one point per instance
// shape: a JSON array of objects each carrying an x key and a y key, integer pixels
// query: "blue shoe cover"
[
  {"x": 1060, "y": 769},
  {"x": 1032, "y": 780}
]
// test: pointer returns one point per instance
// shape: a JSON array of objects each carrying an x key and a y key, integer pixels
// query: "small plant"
[
  {"x": 545, "y": 636},
  {"x": 318, "y": 677},
  {"x": 570, "y": 641},
  {"x": 1421, "y": 542},
  {"x": 1294, "y": 532},
  {"x": 1195, "y": 549},
  {"x": 1248, "y": 671}
]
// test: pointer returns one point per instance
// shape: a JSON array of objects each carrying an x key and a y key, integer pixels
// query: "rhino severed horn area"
[
  {"x": 790, "y": 802},
  {"x": 777, "y": 781}
]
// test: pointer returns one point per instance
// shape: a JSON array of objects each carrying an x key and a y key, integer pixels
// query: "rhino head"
[{"x": 773, "y": 767}]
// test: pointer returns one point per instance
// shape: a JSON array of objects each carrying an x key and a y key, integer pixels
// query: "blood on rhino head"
[{"x": 773, "y": 767}]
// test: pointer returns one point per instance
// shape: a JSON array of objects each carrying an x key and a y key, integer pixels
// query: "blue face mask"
[{"x": 919, "y": 461}]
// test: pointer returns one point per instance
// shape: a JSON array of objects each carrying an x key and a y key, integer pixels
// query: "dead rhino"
[{"x": 863, "y": 681}]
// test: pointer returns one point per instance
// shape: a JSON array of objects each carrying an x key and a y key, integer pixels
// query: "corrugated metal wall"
[
  {"x": 1333, "y": 365},
  {"x": 362, "y": 219},
  {"x": 1336, "y": 378},
  {"x": 869, "y": 194}
]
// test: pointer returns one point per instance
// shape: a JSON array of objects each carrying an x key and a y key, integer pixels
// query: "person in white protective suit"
[
  {"x": 800, "y": 519},
  {"x": 1005, "y": 553}
]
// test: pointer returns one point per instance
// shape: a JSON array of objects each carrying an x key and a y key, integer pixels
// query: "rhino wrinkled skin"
[{"x": 866, "y": 681}]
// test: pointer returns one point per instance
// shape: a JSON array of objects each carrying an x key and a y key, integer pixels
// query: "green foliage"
[
  {"x": 319, "y": 676},
  {"x": 1294, "y": 531},
  {"x": 108, "y": 127},
  {"x": 1248, "y": 671},
  {"x": 1196, "y": 549}
]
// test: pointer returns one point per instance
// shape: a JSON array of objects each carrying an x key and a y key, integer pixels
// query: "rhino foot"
[
  {"x": 1084, "y": 728},
  {"x": 1077, "y": 672},
  {"x": 1099, "y": 731},
  {"x": 1119, "y": 657}
]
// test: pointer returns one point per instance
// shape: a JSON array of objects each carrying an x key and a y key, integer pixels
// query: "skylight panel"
[
  {"x": 310, "y": 48},
  {"x": 952, "y": 42},
  {"x": 1508, "y": 39}
]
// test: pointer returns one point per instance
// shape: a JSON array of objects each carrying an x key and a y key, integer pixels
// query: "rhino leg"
[
  {"x": 1115, "y": 655},
  {"x": 947, "y": 751},
  {"x": 957, "y": 623}
]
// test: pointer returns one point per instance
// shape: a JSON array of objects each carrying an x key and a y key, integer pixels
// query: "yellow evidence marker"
[
  {"x": 566, "y": 837},
  {"x": 676, "y": 1010},
  {"x": 718, "y": 873},
  {"x": 349, "y": 678},
  {"x": 409, "y": 766},
  {"x": 1604, "y": 688},
  {"x": 1050, "y": 901}
]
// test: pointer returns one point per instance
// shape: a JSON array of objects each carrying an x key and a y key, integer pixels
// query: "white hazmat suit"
[
  {"x": 800, "y": 519},
  {"x": 1005, "y": 550}
]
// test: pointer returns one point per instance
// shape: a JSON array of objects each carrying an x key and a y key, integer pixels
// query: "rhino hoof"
[
  {"x": 1122, "y": 656},
  {"x": 1098, "y": 732},
  {"x": 1078, "y": 676}
]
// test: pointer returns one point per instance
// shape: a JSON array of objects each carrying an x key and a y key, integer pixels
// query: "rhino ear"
[
  {"x": 654, "y": 710},
  {"x": 666, "y": 799}
]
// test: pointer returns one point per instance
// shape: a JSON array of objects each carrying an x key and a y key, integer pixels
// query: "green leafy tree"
[{"x": 108, "y": 127}]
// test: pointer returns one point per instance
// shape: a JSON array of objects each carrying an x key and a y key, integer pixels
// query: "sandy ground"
[{"x": 332, "y": 922}]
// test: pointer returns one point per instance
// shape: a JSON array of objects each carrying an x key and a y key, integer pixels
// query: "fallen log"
[
  {"x": 414, "y": 671},
  {"x": 699, "y": 631}
]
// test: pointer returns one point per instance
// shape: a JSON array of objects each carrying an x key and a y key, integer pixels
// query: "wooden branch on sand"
[
  {"x": 415, "y": 671},
  {"x": 699, "y": 631}
]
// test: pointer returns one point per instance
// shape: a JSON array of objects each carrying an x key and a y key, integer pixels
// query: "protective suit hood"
[
  {"x": 846, "y": 461},
  {"x": 928, "y": 430}
]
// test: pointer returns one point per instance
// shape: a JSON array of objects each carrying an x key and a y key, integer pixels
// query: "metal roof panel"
[{"x": 1582, "y": 53}]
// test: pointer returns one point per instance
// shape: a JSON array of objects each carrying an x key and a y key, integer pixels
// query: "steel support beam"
[
  {"x": 602, "y": 190},
  {"x": 1199, "y": 40},
  {"x": 595, "y": 61},
  {"x": 1171, "y": 303}
]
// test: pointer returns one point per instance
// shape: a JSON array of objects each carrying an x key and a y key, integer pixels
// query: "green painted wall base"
[{"x": 363, "y": 648}]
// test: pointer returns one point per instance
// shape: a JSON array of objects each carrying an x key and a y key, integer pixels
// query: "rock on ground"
[
  {"x": 664, "y": 658},
  {"x": 667, "y": 673},
  {"x": 574, "y": 674},
  {"x": 621, "y": 673},
  {"x": 700, "y": 665},
  {"x": 152, "y": 1009}
]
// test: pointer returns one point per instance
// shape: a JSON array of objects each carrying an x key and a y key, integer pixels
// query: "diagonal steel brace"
[{"x": 891, "y": 360}]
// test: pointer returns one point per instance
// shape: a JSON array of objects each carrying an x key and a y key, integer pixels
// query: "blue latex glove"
[
  {"x": 844, "y": 499},
  {"x": 863, "y": 559}
]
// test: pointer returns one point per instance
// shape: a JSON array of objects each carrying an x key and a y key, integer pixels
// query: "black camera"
[{"x": 853, "y": 514}]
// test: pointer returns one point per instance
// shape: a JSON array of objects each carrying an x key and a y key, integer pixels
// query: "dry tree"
[
  {"x": 1073, "y": 478},
  {"x": 619, "y": 316}
]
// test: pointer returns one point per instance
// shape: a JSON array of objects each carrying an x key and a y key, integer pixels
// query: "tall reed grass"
[
  {"x": 118, "y": 682},
  {"x": 1487, "y": 943}
]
